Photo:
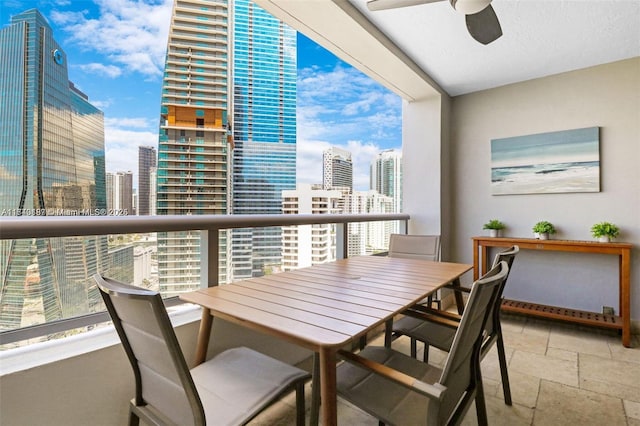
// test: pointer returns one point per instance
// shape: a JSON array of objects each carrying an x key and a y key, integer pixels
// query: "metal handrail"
[{"x": 19, "y": 227}]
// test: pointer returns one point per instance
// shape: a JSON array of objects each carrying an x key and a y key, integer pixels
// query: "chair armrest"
[
  {"x": 433, "y": 391},
  {"x": 451, "y": 323},
  {"x": 457, "y": 288},
  {"x": 437, "y": 312}
]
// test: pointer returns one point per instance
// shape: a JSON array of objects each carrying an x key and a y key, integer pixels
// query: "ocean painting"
[{"x": 566, "y": 161}]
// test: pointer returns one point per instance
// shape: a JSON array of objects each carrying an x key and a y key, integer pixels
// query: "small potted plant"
[
  {"x": 604, "y": 231},
  {"x": 543, "y": 229},
  {"x": 494, "y": 226}
]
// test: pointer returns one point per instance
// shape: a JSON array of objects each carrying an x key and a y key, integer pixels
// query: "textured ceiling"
[{"x": 541, "y": 37}]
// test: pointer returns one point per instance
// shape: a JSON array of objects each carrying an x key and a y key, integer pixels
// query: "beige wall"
[
  {"x": 95, "y": 388},
  {"x": 607, "y": 96}
]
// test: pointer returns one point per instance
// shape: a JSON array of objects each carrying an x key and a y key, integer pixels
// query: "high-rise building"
[
  {"x": 193, "y": 148},
  {"x": 368, "y": 237},
  {"x": 264, "y": 130},
  {"x": 120, "y": 193},
  {"x": 337, "y": 169},
  {"x": 121, "y": 266},
  {"x": 208, "y": 164},
  {"x": 386, "y": 176},
  {"x": 146, "y": 161},
  {"x": 52, "y": 156},
  {"x": 377, "y": 233},
  {"x": 306, "y": 245}
]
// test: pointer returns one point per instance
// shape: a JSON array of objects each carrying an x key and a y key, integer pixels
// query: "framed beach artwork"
[{"x": 555, "y": 162}]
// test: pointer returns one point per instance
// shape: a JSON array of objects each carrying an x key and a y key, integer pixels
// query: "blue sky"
[{"x": 115, "y": 52}]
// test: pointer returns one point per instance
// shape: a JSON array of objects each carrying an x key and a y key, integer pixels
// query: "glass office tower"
[
  {"x": 386, "y": 176},
  {"x": 193, "y": 148},
  {"x": 52, "y": 163},
  {"x": 264, "y": 129}
]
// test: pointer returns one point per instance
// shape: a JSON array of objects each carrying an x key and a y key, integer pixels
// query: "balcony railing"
[{"x": 13, "y": 228}]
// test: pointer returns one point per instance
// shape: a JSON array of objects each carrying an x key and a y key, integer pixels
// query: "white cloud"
[
  {"x": 344, "y": 108},
  {"x": 136, "y": 122},
  {"x": 309, "y": 160},
  {"x": 121, "y": 144},
  {"x": 102, "y": 105},
  {"x": 362, "y": 154},
  {"x": 110, "y": 71},
  {"x": 129, "y": 33}
]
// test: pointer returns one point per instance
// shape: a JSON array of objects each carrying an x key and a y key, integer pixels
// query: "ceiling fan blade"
[
  {"x": 374, "y": 5},
  {"x": 484, "y": 25}
]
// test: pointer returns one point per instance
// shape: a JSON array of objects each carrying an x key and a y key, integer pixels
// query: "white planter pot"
[
  {"x": 494, "y": 233},
  {"x": 604, "y": 239},
  {"x": 543, "y": 236}
]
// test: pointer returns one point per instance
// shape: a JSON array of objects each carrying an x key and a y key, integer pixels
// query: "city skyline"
[{"x": 118, "y": 53}]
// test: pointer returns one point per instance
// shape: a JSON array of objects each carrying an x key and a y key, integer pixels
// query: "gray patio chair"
[
  {"x": 437, "y": 328},
  {"x": 415, "y": 246},
  {"x": 425, "y": 247},
  {"x": 400, "y": 390},
  {"x": 229, "y": 389}
]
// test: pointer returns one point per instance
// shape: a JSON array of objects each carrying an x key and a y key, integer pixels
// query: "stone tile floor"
[{"x": 560, "y": 374}]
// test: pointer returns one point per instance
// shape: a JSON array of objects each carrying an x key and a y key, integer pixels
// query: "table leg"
[
  {"x": 485, "y": 260},
  {"x": 203, "y": 336},
  {"x": 476, "y": 261},
  {"x": 315, "y": 391},
  {"x": 328, "y": 387},
  {"x": 625, "y": 296},
  {"x": 388, "y": 333}
]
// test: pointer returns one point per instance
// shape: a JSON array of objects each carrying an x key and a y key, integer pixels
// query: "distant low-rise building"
[{"x": 306, "y": 245}]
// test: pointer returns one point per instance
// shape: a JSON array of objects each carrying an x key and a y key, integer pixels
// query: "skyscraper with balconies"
[
  {"x": 306, "y": 245},
  {"x": 227, "y": 134},
  {"x": 264, "y": 132},
  {"x": 193, "y": 148},
  {"x": 52, "y": 163}
]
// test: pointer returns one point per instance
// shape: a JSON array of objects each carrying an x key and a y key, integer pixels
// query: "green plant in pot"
[
  {"x": 543, "y": 229},
  {"x": 605, "y": 231},
  {"x": 494, "y": 226}
]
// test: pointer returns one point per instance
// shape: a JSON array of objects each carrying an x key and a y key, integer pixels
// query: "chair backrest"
[
  {"x": 161, "y": 373},
  {"x": 459, "y": 371},
  {"x": 493, "y": 321},
  {"x": 415, "y": 246}
]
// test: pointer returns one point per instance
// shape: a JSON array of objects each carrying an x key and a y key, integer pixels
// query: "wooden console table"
[{"x": 622, "y": 250}]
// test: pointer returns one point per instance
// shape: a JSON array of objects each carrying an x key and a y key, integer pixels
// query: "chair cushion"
[
  {"x": 382, "y": 398},
  {"x": 237, "y": 383},
  {"x": 436, "y": 335}
]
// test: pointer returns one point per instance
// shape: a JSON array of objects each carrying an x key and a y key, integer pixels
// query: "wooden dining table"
[{"x": 323, "y": 307}]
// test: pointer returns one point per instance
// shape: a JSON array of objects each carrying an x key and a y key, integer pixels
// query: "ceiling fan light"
[{"x": 469, "y": 7}]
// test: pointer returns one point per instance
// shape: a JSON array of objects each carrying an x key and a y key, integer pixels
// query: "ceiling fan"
[{"x": 482, "y": 22}]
